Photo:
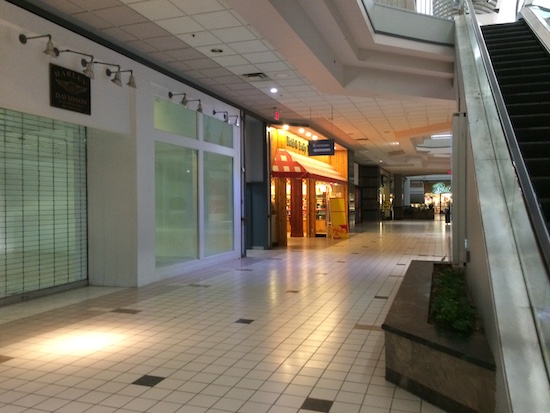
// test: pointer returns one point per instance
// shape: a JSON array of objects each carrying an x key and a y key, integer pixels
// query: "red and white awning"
[{"x": 292, "y": 165}]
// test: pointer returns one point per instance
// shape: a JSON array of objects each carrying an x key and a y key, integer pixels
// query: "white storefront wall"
[{"x": 121, "y": 145}]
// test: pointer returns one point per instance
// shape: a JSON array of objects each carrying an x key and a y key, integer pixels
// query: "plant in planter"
[{"x": 450, "y": 307}]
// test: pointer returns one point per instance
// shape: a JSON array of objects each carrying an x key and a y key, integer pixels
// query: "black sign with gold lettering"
[{"x": 69, "y": 90}]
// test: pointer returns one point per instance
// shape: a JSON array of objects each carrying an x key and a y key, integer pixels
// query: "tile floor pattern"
[{"x": 281, "y": 331}]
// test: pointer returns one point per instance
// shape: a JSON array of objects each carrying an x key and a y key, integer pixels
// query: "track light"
[
  {"x": 236, "y": 119},
  {"x": 183, "y": 100},
  {"x": 50, "y": 49},
  {"x": 89, "y": 66},
  {"x": 225, "y": 115}
]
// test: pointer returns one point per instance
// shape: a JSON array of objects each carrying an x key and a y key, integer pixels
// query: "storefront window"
[
  {"x": 218, "y": 201},
  {"x": 176, "y": 208},
  {"x": 217, "y": 132},
  {"x": 174, "y": 118}
]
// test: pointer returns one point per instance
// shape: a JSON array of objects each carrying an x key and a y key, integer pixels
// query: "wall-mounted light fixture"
[
  {"x": 236, "y": 123},
  {"x": 89, "y": 66},
  {"x": 199, "y": 107},
  {"x": 117, "y": 79},
  {"x": 183, "y": 99},
  {"x": 225, "y": 115},
  {"x": 50, "y": 49}
]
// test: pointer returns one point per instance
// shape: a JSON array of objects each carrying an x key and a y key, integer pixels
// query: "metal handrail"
[{"x": 528, "y": 192}]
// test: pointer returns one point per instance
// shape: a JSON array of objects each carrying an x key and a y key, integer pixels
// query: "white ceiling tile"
[
  {"x": 272, "y": 67},
  {"x": 96, "y": 4},
  {"x": 119, "y": 16},
  {"x": 180, "y": 25},
  {"x": 157, "y": 9},
  {"x": 145, "y": 30},
  {"x": 167, "y": 43},
  {"x": 217, "y": 20},
  {"x": 227, "y": 61},
  {"x": 212, "y": 51},
  {"x": 199, "y": 39},
  {"x": 92, "y": 20},
  {"x": 198, "y": 6},
  {"x": 250, "y": 46},
  {"x": 241, "y": 70},
  {"x": 234, "y": 34},
  {"x": 261, "y": 57}
]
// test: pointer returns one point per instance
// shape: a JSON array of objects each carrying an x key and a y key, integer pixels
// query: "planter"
[{"x": 454, "y": 373}]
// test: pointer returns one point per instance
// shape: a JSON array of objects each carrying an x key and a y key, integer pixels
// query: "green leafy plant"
[{"x": 451, "y": 308}]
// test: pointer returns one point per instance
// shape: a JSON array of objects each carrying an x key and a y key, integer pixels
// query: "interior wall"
[
  {"x": 112, "y": 209},
  {"x": 121, "y": 162}
]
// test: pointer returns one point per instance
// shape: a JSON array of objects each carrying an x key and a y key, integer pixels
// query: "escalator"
[{"x": 522, "y": 68}]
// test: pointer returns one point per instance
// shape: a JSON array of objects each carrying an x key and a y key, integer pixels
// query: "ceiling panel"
[{"x": 183, "y": 35}]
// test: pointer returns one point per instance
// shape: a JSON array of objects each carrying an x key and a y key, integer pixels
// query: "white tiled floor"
[{"x": 310, "y": 329}]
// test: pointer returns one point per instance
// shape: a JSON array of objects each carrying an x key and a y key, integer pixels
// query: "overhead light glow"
[
  {"x": 314, "y": 137},
  {"x": 308, "y": 134},
  {"x": 80, "y": 344},
  {"x": 285, "y": 127},
  {"x": 273, "y": 90},
  {"x": 301, "y": 130}
]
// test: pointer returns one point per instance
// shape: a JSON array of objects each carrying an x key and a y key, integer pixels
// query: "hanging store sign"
[
  {"x": 318, "y": 148},
  {"x": 69, "y": 90}
]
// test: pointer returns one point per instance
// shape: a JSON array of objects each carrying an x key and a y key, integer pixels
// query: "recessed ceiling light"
[
  {"x": 301, "y": 130},
  {"x": 216, "y": 50},
  {"x": 394, "y": 143},
  {"x": 285, "y": 127},
  {"x": 314, "y": 137},
  {"x": 308, "y": 134},
  {"x": 273, "y": 90}
]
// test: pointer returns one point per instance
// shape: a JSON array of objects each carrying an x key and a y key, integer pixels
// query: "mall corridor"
[{"x": 281, "y": 331}]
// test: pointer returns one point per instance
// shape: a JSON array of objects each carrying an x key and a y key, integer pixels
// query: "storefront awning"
[{"x": 292, "y": 165}]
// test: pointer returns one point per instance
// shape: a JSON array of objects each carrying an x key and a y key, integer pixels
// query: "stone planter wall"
[{"x": 456, "y": 374}]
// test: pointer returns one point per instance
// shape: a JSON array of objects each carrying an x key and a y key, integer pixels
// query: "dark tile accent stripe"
[
  {"x": 5, "y": 358},
  {"x": 381, "y": 297},
  {"x": 245, "y": 269},
  {"x": 317, "y": 405},
  {"x": 149, "y": 381},
  {"x": 340, "y": 261},
  {"x": 293, "y": 291},
  {"x": 367, "y": 327},
  {"x": 126, "y": 311},
  {"x": 199, "y": 285},
  {"x": 244, "y": 321}
]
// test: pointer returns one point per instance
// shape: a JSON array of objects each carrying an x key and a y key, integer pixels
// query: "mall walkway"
[{"x": 281, "y": 331}]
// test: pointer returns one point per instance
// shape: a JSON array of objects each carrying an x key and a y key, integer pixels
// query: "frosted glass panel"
[
  {"x": 218, "y": 200},
  {"x": 217, "y": 132},
  {"x": 176, "y": 206},
  {"x": 174, "y": 118},
  {"x": 43, "y": 238}
]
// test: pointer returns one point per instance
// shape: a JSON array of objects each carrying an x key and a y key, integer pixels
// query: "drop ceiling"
[{"x": 381, "y": 97}]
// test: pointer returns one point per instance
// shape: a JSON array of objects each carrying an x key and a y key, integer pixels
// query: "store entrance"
[{"x": 307, "y": 208}]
